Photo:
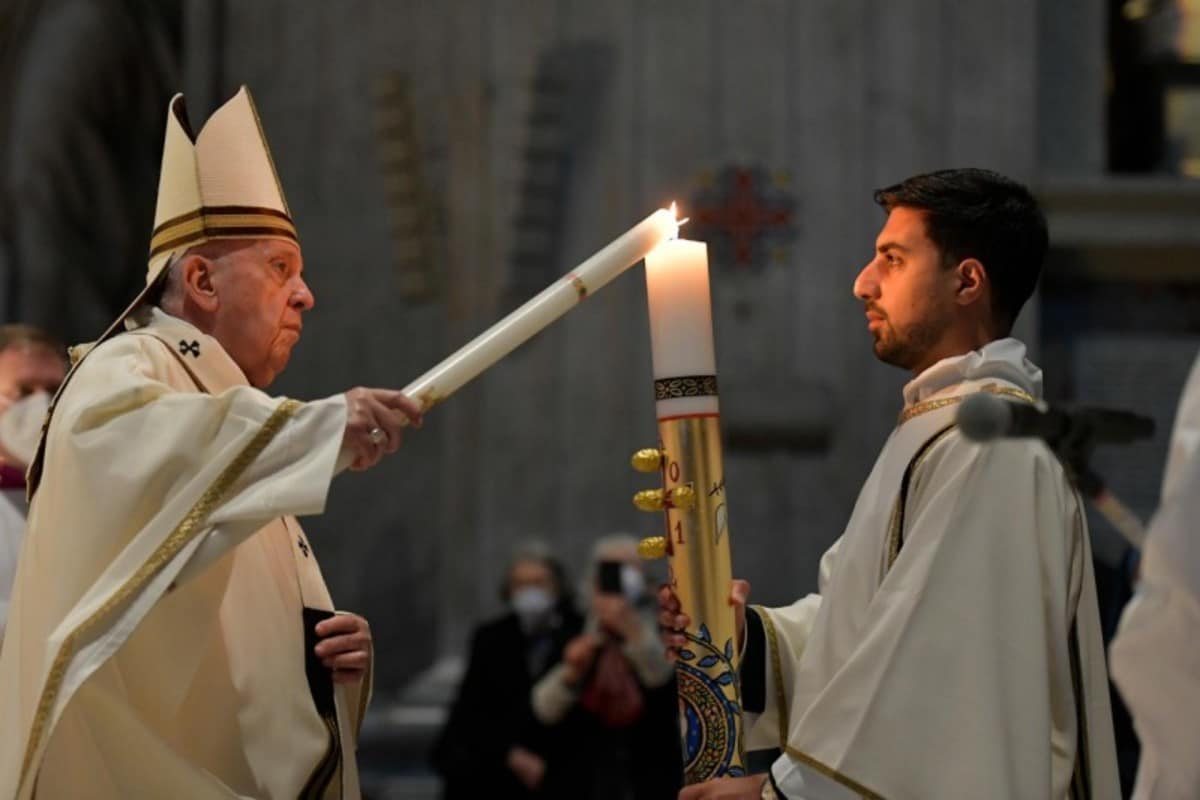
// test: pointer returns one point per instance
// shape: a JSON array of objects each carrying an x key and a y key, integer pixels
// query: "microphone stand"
[
  {"x": 1114, "y": 510},
  {"x": 1074, "y": 452}
]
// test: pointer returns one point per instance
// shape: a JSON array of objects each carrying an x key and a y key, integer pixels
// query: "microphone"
[
  {"x": 1072, "y": 435},
  {"x": 983, "y": 417}
]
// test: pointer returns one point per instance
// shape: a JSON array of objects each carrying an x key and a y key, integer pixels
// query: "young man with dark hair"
[{"x": 954, "y": 649}]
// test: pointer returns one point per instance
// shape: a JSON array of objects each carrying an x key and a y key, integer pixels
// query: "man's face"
[
  {"x": 261, "y": 295},
  {"x": 26, "y": 369},
  {"x": 907, "y": 292}
]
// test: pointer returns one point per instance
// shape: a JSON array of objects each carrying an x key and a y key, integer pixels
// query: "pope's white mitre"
[{"x": 220, "y": 184}]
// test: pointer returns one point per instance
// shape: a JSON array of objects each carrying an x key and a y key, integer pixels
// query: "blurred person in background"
[
  {"x": 614, "y": 692},
  {"x": 492, "y": 745},
  {"x": 32, "y": 366}
]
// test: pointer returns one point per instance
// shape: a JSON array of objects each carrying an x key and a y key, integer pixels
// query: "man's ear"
[
  {"x": 196, "y": 275},
  {"x": 972, "y": 282}
]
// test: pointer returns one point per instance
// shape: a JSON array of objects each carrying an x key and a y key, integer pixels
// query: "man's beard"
[{"x": 909, "y": 347}]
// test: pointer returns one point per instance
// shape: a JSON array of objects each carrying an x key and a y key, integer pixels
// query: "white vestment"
[
  {"x": 1156, "y": 652},
  {"x": 936, "y": 662},
  {"x": 155, "y": 645},
  {"x": 12, "y": 530}
]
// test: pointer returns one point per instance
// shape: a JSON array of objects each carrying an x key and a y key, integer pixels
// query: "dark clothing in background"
[
  {"x": 585, "y": 759},
  {"x": 492, "y": 712},
  {"x": 641, "y": 761}
]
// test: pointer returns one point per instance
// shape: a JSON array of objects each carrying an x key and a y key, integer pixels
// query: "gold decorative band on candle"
[
  {"x": 687, "y": 386},
  {"x": 580, "y": 287}
]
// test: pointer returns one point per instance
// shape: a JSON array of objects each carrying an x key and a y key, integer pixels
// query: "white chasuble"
[
  {"x": 1156, "y": 653},
  {"x": 156, "y": 642},
  {"x": 937, "y": 661}
]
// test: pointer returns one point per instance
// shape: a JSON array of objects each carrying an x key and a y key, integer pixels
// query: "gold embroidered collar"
[{"x": 918, "y": 409}]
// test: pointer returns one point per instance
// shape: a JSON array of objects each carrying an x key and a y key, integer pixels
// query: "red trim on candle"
[{"x": 688, "y": 416}]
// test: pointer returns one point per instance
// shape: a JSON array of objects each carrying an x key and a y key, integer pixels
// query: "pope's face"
[
  {"x": 261, "y": 296},
  {"x": 907, "y": 293}
]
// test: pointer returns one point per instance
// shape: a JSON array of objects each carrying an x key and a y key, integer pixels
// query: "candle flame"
[{"x": 679, "y": 223}]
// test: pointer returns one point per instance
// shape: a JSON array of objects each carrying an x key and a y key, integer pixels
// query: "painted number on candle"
[
  {"x": 673, "y": 472},
  {"x": 679, "y": 531}
]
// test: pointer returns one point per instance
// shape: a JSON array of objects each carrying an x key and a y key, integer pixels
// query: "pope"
[{"x": 170, "y": 633}]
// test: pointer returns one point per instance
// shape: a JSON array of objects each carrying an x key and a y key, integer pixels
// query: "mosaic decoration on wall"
[{"x": 746, "y": 214}]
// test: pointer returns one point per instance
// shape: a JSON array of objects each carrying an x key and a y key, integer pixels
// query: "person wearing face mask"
[
  {"x": 613, "y": 694},
  {"x": 492, "y": 745},
  {"x": 31, "y": 368}
]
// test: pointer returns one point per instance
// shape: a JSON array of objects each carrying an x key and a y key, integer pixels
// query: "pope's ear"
[{"x": 196, "y": 280}]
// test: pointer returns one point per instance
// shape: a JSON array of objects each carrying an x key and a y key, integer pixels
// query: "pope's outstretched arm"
[
  {"x": 238, "y": 458},
  {"x": 142, "y": 480}
]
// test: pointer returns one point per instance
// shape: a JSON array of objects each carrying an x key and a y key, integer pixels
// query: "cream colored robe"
[
  {"x": 1156, "y": 652},
  {"x": 946, "y": 673},
  {"x": 155, "y": 645}
]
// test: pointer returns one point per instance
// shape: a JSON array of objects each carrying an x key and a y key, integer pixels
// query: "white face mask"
[
  {"x": 633, "y": 583},
  {"x": 21, "y": 427},
  {"x": 532, "y": 603}
]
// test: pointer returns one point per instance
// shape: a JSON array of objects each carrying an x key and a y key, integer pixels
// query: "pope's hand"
[
  {"x": 374, "y": 420},
  {"x": 345, "y": 646},
  {"x": 672, "y": 621},
  {"x": 747, "y": 788}
]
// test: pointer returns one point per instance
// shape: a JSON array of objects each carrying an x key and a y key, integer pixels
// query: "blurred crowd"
[{"x": 560, "y": 701}]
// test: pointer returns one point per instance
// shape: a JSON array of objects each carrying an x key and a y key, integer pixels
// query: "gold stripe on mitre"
[{"x": 221, "y": 222}]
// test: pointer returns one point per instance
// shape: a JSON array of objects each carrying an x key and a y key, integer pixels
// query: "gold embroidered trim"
[
  {"x": 896, "y": 526},
  {"x": 1081, "y": 777},
  {"x": 184, "y": 532},
  {"x": 941, "y": 402},
  {"x": 221, "y": 211},
  {"x": 830, "y": 772},
  {"x": 267, "y": 149},
  {"x": 213, "y": 224},
  {"x": 364, "y": 696},
  {"x": 326, "y": 769},
  {"x": 776, "y": 674}
]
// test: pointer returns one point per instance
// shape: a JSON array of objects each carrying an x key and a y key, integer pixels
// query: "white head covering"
[{"x": 221, "y": 184}]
